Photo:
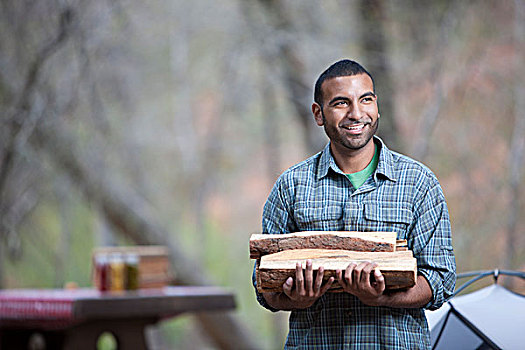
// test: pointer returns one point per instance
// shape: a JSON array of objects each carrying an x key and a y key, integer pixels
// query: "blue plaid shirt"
[{"x": 402, "y": 196}]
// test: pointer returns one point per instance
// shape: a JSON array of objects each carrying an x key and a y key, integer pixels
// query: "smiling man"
[
  {"x": 357, "y": 184},
  {"x": 347, "y": 108}
]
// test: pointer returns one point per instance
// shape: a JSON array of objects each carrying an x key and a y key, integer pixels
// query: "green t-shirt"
[{"x": 359, "y": 178}]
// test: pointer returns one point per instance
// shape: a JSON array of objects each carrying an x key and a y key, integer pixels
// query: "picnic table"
[{"x": 74, "y": 319}]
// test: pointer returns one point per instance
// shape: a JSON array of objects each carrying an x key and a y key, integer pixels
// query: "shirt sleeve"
[
  {"x": 276, "y": 220},
  {"x": 432, "y": 245}
]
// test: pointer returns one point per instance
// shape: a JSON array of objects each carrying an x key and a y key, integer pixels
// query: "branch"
[
  {"x": 282, "y": 54},
  {"x": 18, "y": 121}
]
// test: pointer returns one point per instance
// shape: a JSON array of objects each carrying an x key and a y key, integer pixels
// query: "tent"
[{"x": 490, "y": 318}]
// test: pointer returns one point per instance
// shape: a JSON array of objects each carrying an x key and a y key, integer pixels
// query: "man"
[{"x": 357, "y": 184}]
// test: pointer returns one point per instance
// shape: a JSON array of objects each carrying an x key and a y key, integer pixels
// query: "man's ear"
[{"x": 318, "y": 113}]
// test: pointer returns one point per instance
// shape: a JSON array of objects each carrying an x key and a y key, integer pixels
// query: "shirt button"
[{"x": 349, "y": 313}]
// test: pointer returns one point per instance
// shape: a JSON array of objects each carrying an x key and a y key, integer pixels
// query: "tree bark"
[{"x": 263, "y": 244}]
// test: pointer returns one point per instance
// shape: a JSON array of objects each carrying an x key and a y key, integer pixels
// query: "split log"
[
  {"x": 401, "y": 244},
  {"x": 398, "y": 268},
  {"x": 263, "y": 244}
]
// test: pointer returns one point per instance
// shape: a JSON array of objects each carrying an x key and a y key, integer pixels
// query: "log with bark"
[
  {"x": 262, "y": 244},
  {"x": 401, "y": 244},
  {"x": 398, "y": 268}
]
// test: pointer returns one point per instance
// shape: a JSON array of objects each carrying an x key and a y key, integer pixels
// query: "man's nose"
[{"x": 354, "y": 112}]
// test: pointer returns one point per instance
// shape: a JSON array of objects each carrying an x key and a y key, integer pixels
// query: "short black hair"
[{"x": 342, "y": 68}]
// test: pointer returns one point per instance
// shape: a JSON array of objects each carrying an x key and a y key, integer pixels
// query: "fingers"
[
  {"x": 299, "y": 281},
  {"x": 358, "y": 277},
  {"x": 306, "y": 288},
  {"x": 367, "y": 269},
  {"x": 360, "y": 274},
  {"x": 364, "y": 277},
  {"x": 350, "y": 276},
  {"x": 380, "y": 281},
  {"x": 319, "y": 279},
  {"x": 319, "y": 289},
  {"x": 304, "y": 282},
  {"x": 345, "y": 279},
  {"x": 365, "y": 281},
  {"x": 327, "y": 286},
  {"x": 287, "y": 287},
  {"x": 308, "y": 279},
  {"x": 357, "y": 273}
]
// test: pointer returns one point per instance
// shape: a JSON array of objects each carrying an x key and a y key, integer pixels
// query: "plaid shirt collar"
[{"x": 385, "y": 166}]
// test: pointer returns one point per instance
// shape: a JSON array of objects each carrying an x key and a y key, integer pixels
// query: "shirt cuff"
[
  {"x": 260, "y": 298},
  {"x": 434, "y": 281}
]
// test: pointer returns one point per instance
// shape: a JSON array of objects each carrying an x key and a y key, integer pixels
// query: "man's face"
[{"x": 349, "y": 113}]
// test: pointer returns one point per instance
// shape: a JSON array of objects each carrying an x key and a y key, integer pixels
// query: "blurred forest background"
[{"x": 167, "y": 122}]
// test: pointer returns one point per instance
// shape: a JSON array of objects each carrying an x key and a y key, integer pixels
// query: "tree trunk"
[
  {"x": 376, "y": 55},
  {"x": 517, "y": 145},
  {"x": 285, "y": 58},
  {"x": 2, "y": 282},
  {"x": 271, "y": 129},
  {"x": 64, "y": 246},
  {"x": 430, "y": 115}
]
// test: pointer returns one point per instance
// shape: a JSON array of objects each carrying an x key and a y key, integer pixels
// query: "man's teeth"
[{"x": 355, "y": 127}]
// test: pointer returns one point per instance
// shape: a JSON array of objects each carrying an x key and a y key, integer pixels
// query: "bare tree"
[
  {"x": 282, "y": 58},
  {"x": 374, "y": 45},
  {"x": 430, "y": 114},
  {"x": 516, "y": 158},
  {"x": 41, "y": 131},
  {"x": 20, "y": 115}
]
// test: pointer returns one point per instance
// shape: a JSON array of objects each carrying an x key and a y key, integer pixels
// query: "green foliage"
[
  {"x": 44, "y": 262},
  {"x": 107, "y": 341}
]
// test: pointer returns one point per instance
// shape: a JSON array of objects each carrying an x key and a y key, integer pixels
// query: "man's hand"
[
  {"x": 357, "y": 280},
  {"x": 306, "y": 290}
]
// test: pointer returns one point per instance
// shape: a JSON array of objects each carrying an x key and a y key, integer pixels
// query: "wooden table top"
[{"x": 61, "y": 307}]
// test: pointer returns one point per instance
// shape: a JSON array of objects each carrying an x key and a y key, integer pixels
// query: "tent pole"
[
  {"x": 441, "y": 331},
  {"x": 480, "y": 274}
]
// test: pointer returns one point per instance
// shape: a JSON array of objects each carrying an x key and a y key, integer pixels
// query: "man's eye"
[
  {"x": 340, "y": 103},
  {"x": 367, "y": 99}
]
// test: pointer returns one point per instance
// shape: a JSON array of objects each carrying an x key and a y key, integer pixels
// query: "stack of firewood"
[{"x": 277, "y": 256}]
